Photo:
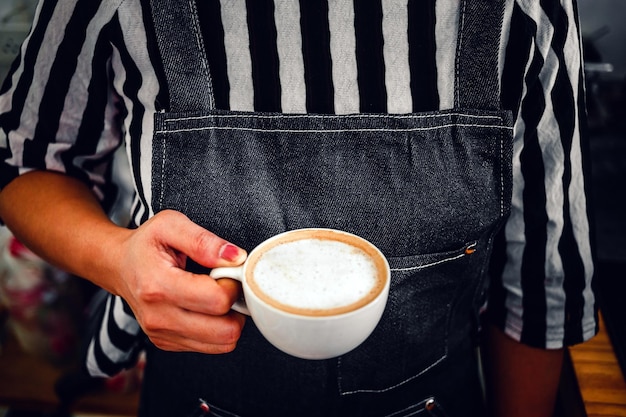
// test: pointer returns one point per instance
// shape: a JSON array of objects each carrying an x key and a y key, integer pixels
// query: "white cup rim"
[{"x": 248, "y": 291}]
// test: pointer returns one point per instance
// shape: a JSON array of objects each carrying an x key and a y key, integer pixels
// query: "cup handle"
[{"x": 235, "y": 272}]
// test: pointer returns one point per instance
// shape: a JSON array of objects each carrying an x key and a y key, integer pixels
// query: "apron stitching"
[
  {"x": 419, "y": 404},
  {"x": 457, "y": 88},
  {"x": 413, "y": 413},
  {"x": 322, "y": 116},
  {"x": 502, "y": 164},
  {"x": 417, "y": 268},
  {"x": 163, "y": 158},
  {"x": 417, "y": 129},
  {"x": 445, "y": 355},
  {"x": 220, "y": 412}
]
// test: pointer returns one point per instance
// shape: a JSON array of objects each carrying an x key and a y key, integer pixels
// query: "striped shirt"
[{"x": 89, "y": 80}]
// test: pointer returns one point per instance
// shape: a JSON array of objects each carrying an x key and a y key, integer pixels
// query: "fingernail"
[{"x": 230, "y": 252}]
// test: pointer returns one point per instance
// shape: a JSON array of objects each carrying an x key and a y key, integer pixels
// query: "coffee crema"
[{"x": 317, "y": 274}]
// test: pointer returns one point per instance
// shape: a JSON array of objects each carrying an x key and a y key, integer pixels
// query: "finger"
[
  {"x": 177, "y": 231},
  {"x": 189, "y": 331},
  {"x": 201, "y": 293}
]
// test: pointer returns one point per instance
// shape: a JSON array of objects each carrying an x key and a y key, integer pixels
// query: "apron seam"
[
  {"x": 417, "y": 268},
  {"x": 502, "y": 175},
  {"x": 335, "y": 116},
  {"x": 378, "y": 391},
  {"x": 162, "y": 179},
  {"x": 457, "y": 64},
  {"x": 417, "y": 129}
]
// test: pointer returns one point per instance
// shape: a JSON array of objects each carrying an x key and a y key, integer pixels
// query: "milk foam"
[{"x": 315, "y": 274}]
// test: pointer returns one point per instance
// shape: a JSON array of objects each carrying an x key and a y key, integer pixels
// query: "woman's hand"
[{"x": 179, "y": 310}]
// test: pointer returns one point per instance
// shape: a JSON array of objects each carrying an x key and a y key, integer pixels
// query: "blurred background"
[
  {"x": 604, "y": 36},
  {"x": 15, "y": 20},
  {"x": 604, "y": 39}
]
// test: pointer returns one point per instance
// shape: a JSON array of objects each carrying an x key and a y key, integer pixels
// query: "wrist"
[{"x": 101, "y": 255}]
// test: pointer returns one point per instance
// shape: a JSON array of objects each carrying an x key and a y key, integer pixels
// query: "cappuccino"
[
  {"x": 313, "y": 293},
  {"x": 316, "y": 276}
]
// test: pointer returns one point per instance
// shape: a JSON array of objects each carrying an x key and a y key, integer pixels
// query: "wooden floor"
[
  {"x": 27, "y": 383},
  {"x": 600, "y": 380}
]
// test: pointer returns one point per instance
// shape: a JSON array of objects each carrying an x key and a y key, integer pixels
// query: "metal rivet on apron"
[
  {"x": 204, "y": 407},
  {"x": 470, "y": 249},
  {"x": 430, "y": 404}
]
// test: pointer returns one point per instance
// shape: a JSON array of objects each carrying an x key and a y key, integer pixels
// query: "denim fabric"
[
  {"x": 429, "y": 189},
  {"x": 477, "y": 83},
  {"x": 453, "y": 386},
  {"x": 183, "y": 55},
  {"x": 435, "y": 177},
  {"x": 423, "y": 188}
]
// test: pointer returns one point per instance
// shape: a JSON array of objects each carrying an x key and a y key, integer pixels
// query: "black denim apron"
[{"x": 429, "y": 189}]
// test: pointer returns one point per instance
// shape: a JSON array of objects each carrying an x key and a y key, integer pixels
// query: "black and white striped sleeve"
[
  {"x": 57, "y": 109},
  {"x": 542, "y": 268}
]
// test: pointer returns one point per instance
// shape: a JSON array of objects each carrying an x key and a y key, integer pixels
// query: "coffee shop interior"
[{"x": 44, "y": 311}]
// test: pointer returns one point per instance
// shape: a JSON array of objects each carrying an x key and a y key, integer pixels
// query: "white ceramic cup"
[{"x": 313, "y": 293}]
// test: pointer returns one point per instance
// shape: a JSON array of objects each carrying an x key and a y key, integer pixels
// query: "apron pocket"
[{"x": 413, "y": 334}]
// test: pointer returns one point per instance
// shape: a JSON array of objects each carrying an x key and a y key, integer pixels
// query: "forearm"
[
  {"x": 60, "y": 219},
  {"x": 522, "y": 380}
]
